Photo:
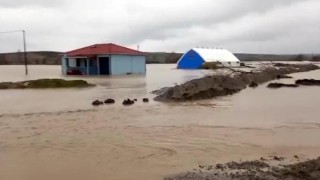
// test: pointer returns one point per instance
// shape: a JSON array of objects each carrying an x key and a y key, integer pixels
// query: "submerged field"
[{"x": 57, "y": 134}]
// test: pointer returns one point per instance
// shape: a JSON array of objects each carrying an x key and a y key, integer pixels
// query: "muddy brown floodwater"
[{"x": 57, "y": 134}]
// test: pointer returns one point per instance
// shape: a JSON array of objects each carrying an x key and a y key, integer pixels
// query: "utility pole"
[
  {"x": 24, "y": 46},
  {"x": 25, "y": 51}
]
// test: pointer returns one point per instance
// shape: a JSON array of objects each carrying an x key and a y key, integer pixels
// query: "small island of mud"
[
  {"x": 232, "y": 81},
  {"x": 45, "y": 83}
]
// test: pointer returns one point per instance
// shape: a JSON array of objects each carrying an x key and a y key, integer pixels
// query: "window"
[{"x": 81, "y": 62}]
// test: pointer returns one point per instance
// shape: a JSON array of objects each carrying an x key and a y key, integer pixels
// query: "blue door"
[{"x": 104, "y": 64}]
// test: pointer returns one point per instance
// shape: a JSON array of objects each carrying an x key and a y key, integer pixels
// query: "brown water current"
[{"x": 57, "y": 134}]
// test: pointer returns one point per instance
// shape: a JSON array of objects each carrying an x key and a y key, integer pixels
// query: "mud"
[
  {"x": 308, "y": 82},
  {"x": 44, "y": 83},
  {"x": 280, "y": 85},
  {"x": 283, "y": 77},
  {"x": 300, "y": 82},
  {"x": 227, "y": 84},
  {"x": 258, "y": 169},
  {"x": 253, "y": 84}
]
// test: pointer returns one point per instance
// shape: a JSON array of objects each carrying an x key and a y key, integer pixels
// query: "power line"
[
  {"x": 7, "y": 32},
  {"x": 24, "y": 46}
]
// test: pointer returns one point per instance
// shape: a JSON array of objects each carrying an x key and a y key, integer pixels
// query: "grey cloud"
[
  {"x": 28, "y": 3},
  {"x": 161, "y": 25},
  {"x": 243, "y": 26},
  {"x": 269, "y": 26}
]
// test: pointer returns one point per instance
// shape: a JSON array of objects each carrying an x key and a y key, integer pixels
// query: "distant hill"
[
  {"x": 157, "y": 57},
  {"x": 163, "y": 58},
  {"x": 38, "y": 57},
  {"x": 54, "y": 58},
  {"x": 270, "y": 57}
]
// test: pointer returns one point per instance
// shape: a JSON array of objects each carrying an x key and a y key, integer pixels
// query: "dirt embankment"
[
  {"x": 262, "y": 169},
  {"x": 227, "y": 84}
]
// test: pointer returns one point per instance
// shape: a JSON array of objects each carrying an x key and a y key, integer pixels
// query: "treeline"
[
  {"x": 270, "y": 57},
  {"x": 40, "y": 57},
  {"x": 54, "y": 58}
]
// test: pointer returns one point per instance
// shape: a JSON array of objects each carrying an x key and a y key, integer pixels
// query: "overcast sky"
[{"x": 248, "y": 26}]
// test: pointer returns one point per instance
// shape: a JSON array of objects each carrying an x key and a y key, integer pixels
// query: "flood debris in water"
[
  {"x": 125, "y": 102},
  {"x": 97, "y": 103},
  {"x": 109, "y": 101},
  {"x": 128, "y": 102}
]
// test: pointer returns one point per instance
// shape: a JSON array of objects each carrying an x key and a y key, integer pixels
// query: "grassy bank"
[{"x": 45, "y": 83}]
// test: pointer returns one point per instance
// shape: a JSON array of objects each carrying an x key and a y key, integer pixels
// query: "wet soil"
[
  {"x": 263, "y": 169},
  {"x": 279, "y": 85},
  {"x": 44, "y": 83},
  {"x": 308, "y": 82}
]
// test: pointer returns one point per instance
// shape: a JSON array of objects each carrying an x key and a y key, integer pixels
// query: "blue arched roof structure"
[
  {"x": 196, "y": 57},
  {"x": 190, "y": 60}
]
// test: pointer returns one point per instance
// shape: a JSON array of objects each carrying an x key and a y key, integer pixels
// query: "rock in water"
[
  {"x": 127, "y": 102},
  {"x": 253, "y": 84},
  {"x": 109, "y": 101},
  {"x": 97, "y": 103},
  {"x": 145, "y": 100}
]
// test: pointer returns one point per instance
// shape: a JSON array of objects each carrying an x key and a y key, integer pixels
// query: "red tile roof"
[{"x": 100, "y": 49}]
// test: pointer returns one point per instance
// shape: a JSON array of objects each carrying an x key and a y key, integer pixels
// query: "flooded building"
[
  {"x": 103, "y": 59},
  {"x": 196, "y": 57}
]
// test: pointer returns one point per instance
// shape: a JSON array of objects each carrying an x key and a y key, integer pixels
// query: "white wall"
[
  {"x": 123, "y": 64},
  {"x": 139, "y": 64},
  {"x": 231, "y": 64},
  {"x": 64, "y": 65}
]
